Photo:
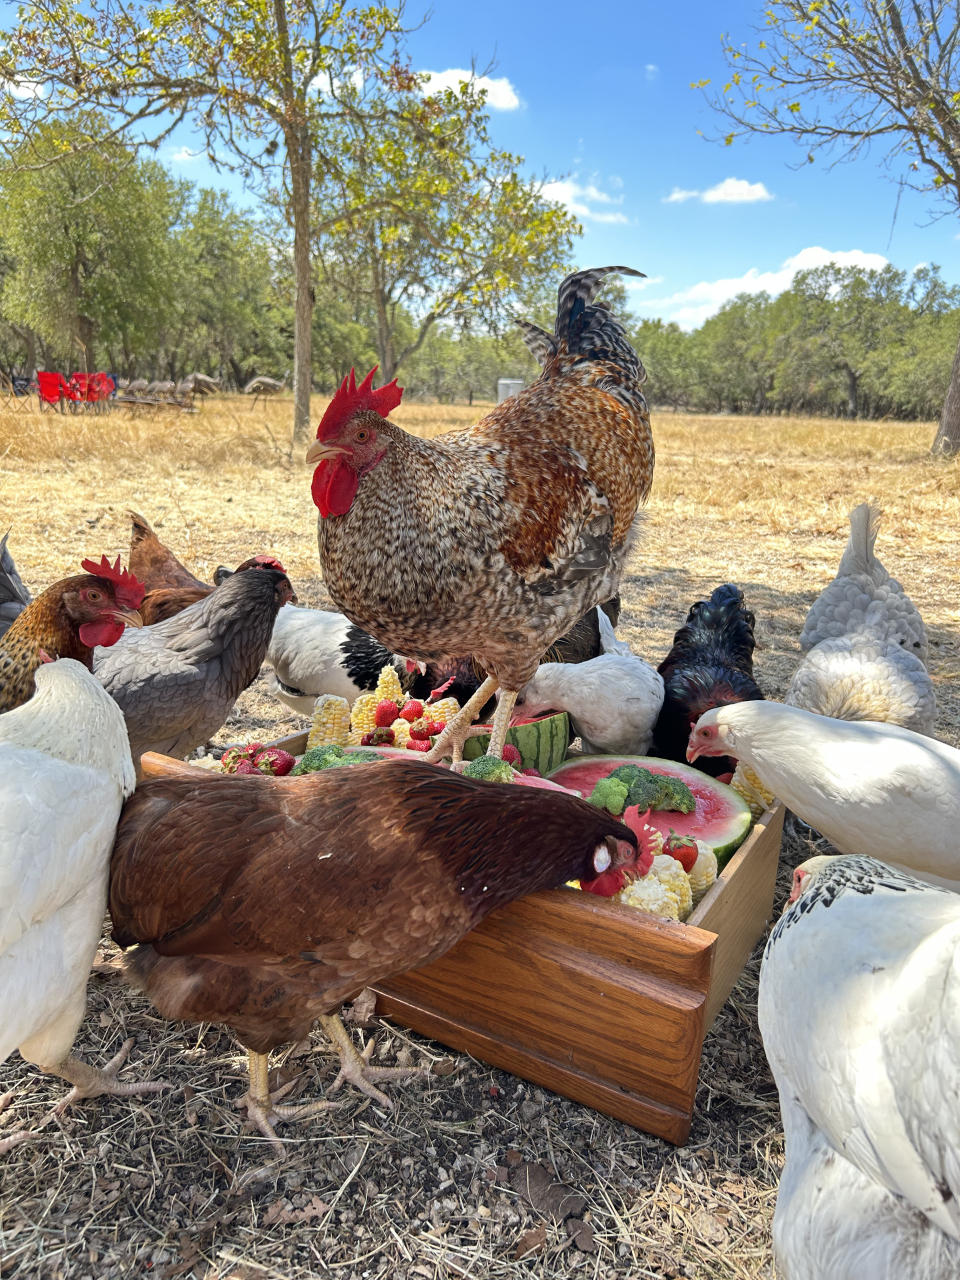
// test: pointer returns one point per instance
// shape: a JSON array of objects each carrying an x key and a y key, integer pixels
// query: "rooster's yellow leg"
[
  {"x": 355, "y": 1067},
  {"x": 501, "y": 722},
  {"x": 264, "y": 1107},
  {"x": 458, "y": 729}
]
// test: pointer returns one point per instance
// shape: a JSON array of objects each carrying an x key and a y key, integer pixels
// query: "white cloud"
[
  {"x": 501, "y": 95},
  {"x": 26, "y": 89},
  {"x": 690, "y": 307},
  {"x": 185, "y": 156},
  {"x": 729, "y": 191},
  {"x": 579, "y": 198}
]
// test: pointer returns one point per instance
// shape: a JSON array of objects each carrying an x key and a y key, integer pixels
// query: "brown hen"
[
  {"x": 68, "y": 620},
  {"x": 264, "y": 903},
  {"x": 500, "y": 536}
]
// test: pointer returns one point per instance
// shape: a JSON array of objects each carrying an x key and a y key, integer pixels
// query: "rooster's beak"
[
  {"x": 318, "y": 451},
  {"x": 129, "y": 617}
]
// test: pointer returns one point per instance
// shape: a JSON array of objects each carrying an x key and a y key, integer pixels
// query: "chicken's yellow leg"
[
  {"x": 355, "y": 1067},
  {"x": 501, "y": 722},
  {"x": 265, "y": 1109},
  {"x": 458, "y": 729}
]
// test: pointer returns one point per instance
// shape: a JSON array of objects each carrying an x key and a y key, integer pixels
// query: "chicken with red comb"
[{"x": 68, "y": 620}]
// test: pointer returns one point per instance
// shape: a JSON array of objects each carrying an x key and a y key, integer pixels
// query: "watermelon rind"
[
  {"x": 542, "y": 743},
  {"x": 722, "y": 818}
]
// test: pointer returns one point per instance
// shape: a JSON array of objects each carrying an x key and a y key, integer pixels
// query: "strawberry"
[
  {"x": 385, "y": 713},
  {"x": 436, "y": 726},
  {"x": 683, "y": 848},
  {"x": 245, "y": 766},
  {"x": 274, "y": 761},
  {"x": 232, "y": 757},
  {"x": 418, "y": 744},
  {"x": 511, "y": 755},
  {"x": 420, "y": 729},
  {"x": 412, "y": 710}
]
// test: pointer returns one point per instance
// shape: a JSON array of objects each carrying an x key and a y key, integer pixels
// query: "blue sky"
[{"x": 599, "y": 103}]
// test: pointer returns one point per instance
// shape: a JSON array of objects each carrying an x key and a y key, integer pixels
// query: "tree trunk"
[
  {"x": 947, "y": 440},
  {"x": 852, "y": 381},
  {"x": 300, "y": 161}
]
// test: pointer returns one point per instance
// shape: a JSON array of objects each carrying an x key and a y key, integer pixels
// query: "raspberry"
[
  {"x": 511, "y": 755},
  {"x": 418, "y": 744},
  {"x": 412, "y": 710},
  {"x": 385, "y": 713},
  {"x": 378, "y": 738},
  {"x": 530, "y": 773}
]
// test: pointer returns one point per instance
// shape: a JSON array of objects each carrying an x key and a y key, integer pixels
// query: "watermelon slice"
[
  {"x": 542, "y": 741},
  {"x": 721, "y": 819}
]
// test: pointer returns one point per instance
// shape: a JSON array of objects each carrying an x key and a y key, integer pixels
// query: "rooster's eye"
[
  {"x": 361, "y": 434},
  {"x": 94, "y": 597}
]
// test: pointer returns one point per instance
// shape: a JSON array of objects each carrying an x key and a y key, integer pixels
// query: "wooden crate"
[{"x": 592, "y": 999}]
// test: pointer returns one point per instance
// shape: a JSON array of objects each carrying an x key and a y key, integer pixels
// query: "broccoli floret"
[
  {"x": 645, "y": 790},
  {"x": 627, "y": 773},
  {"x": 675, "y": 795},
  {"x": 320, "y": 758},
  {"x": 490, "y": 769},
  {"x": 360, "y": 757},
  {"x": 610, "y": 794}
]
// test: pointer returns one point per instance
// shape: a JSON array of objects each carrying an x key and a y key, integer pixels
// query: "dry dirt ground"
[{"x": 175, "y": 1186}]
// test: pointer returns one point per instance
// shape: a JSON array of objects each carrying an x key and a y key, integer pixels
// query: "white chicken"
[
  {"x": 65, "y": 770},
  {"x": 864, "y": 677},
  {"x": 863, "y": 597},
  {"x": 861, "y": 784},
  {"x": 859, "y": 1009},
  {"x": 613, "y": 700}
]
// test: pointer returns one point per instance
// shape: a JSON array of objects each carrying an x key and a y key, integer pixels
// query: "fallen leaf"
[
  {"x": 539, "y": 1188},
  {"x": 530, "y": 1241},
  {"x": 582, "y": 1235}
]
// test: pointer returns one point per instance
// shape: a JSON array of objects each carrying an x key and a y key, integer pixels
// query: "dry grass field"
[{"x": 173, "y": 1187}]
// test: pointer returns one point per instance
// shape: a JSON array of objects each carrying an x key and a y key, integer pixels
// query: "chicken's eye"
[
  {"x": 361, "y": 435},
  {"x": 94, "y": 596}
]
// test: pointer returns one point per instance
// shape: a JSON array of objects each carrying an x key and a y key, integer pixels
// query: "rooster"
[
  {"x": 68, "y": 620},
  {"x": 65, "y": 769},
  {"x": 264, "y": 903},
  {"x": 710, "y": 664},
  {"x": 177, "y": 680},
  {"x": 501, "y": 535}
]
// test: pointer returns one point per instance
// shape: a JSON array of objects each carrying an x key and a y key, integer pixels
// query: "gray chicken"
[
  {"x": 178, "y": 680},
  {"x": 14, "y": 596}
]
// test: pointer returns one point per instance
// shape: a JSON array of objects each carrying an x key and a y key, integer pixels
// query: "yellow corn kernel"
[
  {"x": 649, "y": 894},
  {"x": 703, "y": 873},
  {"x": 401, "y": 732},
  {"x": 331, "y": 721},
  {"x": 746, "y": 783},
  {"x": 675, "y": 880},
  {"x": 388, "y": 686},
  {"x": 354, "y": 738},
  {"x": 443, "y": 709},
  {"x": 362, "y": 714}
]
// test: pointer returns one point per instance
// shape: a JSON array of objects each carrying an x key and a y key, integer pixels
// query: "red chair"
[
  {"x": 54, "y": 391},
  {"x": 92, "y": 389}
]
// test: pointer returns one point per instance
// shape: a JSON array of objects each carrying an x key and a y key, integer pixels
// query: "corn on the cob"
[
  {"x": 676, "y": 882},
  {"x": 649, "y": 894},
  {"x": 703, "y": 873},
  {"x": 331, "y": 722},
  {"x": 401, "y": 732},
  {"x": 362, "y": 714},
  {"x": 746, "y": 783},
  {"x": 443, "y": 709},
  {"x": 388, "y": 686}
]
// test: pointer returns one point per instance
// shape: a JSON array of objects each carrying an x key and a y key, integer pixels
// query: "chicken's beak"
[
  {"x": 693, "y": 752},
  {"x": 318, "y": 451},
  {"x": 129, "y": 617}
]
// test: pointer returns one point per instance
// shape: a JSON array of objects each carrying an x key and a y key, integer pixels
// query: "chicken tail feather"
[
  {"x": 858, "y": 555},
  {"x": 592, "y": 332}
]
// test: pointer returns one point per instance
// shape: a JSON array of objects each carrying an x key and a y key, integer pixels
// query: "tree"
[
  {"x": 428, "y": 223},
  {"x": 91, "y": 246},
  {"x": 838, "y": 75},
  {"x": 261, "y": 79}
]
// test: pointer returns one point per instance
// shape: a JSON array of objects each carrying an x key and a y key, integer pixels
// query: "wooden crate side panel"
[
  {"x": 671, "y": 1123},
  {"x": 740, "y": 904}
]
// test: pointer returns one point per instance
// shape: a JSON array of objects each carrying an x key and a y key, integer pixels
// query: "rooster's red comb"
[
  {"x": 350, "y": 398},
  {"x": 127, "y": 589}
]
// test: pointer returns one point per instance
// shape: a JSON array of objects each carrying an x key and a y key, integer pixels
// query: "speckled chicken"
[
  {"x": 263, "y": 903},
  {"x": 863, "y": 597},
  {"x": 177, "y": 680},
  {"x": 68, "y": 620},
  {"x": 493, "y": 540}
]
